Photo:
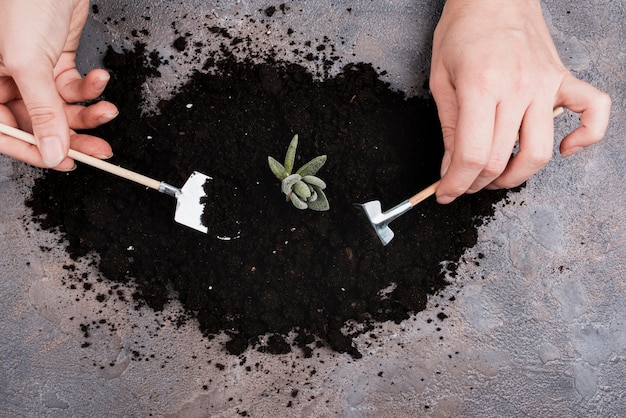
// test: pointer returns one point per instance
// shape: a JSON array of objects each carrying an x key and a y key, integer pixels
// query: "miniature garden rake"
[
  {"x": 188, "y": 198},
  {"x": 380, "y": 220}
]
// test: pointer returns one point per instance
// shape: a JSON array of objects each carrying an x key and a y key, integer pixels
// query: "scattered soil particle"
[
  {"x": 275, "y": 269},
  {"x": 180, "y": 43},
  {"x": 269, "y": 12}
]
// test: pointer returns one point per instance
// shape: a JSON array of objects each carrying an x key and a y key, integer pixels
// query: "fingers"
[
  {"x": 45, "y": 107},
  {"x": 6, "y": 116},
  {"x": 91, "y": 145},
  {"x": 494, "y": 80},
  {"x": 595, "y": 109},
  {"x": 447, "y": 109},
  {"x": 31, "y": 154},
  {"x": 39, "y": 31},
  {"x": 92, "y": 116},
  {"x": 73, "y": 88},
  {"x": 79, "y": 117},
  {"x": 536, "y": 139},
  {"x": 21, "y": 150},
  {"x": 32, "y": 58},
  {"x": 508, "y": 119},
  {"x": 8, "y": 90},
  {"x": 473, "y": 135}
]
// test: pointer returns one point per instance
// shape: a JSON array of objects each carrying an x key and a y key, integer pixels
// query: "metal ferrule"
[{"x": 169, "y": 189}]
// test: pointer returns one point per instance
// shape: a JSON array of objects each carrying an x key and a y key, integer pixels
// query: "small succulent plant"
[{"x": 303, "y": 188}]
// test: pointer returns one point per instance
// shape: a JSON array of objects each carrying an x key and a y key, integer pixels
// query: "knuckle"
[
  {"x": 474, "y": 161},
  {"x": 447, "y": 131},
  {"x": 41, "y": 115},
  {"x": 439, "y": 86},
  {"x": 455, "y": 190},
  {"x": 434, "y": 83},
  {"x": 485, "y": 80},
  {"x": 494, "y": 168},
  {"x": 595, "y": 134},
  {"x": 508, "y": 183},
  {"x": 603, "y": 101},
  {"x": 595, "y": 129},
  {"x": 538, "y": 158},
  {"x": 524, "y": 83}
]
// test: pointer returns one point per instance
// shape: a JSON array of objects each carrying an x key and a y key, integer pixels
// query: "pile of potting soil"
[{"x": 265, "y": 267}]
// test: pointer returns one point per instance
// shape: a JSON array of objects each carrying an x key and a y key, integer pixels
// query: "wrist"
[
  {"x": 494, "y": 13},
  {"x": 461, "y": 5}
]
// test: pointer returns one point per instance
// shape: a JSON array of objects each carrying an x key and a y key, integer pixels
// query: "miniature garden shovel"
[
  {"x": 188, "y": 198},
  {"x": 380, "y": 220}
]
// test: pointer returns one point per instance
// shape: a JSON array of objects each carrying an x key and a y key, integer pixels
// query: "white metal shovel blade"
[{"x": 188, "y": 206}]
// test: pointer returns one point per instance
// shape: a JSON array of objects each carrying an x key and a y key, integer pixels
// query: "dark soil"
[{"x": 283, "y": 269}]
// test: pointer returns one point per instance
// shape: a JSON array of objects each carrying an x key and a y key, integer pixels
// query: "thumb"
[
  {"x": 45, "y": 109},
  {"x": 594, "y": 107}
]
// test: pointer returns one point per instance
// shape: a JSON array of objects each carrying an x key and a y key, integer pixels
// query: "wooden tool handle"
[
  {"x": 424, "y": 194},
  {"x": 88, "y": 159},
  {"x": 556, "y": 112},
  {"x": 430, "y": 190}
]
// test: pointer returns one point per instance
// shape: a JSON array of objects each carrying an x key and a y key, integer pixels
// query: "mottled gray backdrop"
[{"x": 536, "y": 326}]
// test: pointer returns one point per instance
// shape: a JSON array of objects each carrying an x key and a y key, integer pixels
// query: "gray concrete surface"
[{"x": 536, "y": 328}]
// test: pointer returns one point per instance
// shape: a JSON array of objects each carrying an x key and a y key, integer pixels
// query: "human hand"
[
  {"x": 40, "y": 84},
  {"x": 495, "y": 74}
]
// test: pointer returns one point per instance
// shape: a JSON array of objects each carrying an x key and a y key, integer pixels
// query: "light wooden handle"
[
  {"x": 556, "y": 112},
  {"x": 424, "y": 194},
  {"x": 88, "y": 159}
]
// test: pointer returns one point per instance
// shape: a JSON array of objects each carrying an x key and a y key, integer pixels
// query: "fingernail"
[
  {"x": 103, "y": 157},
  {"x": 67, "y": 170},
  {"x": 107, "y": 117},
  {"x": 51, "y": 149},
  {"x": 571, "y": 151},
  {"x": 101, "y": 82},
  {"x": 444, "y": 200}
]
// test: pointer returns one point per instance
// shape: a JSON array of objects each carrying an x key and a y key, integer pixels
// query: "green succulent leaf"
[
  {"x": 288, "y": 182},
  {"x": 277, "y": 168},
  {"x": 297, "y": 202},
  {"x": 312, "y": 167},
  {"x": 321, "y": 203},
  {"x": 290, "y": 156},
  {"x": 314, "y": 181},
  {"x": 302, "y": 189}
]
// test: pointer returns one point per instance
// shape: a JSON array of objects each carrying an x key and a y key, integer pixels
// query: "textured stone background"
[{"x": 537, "y": 328}]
